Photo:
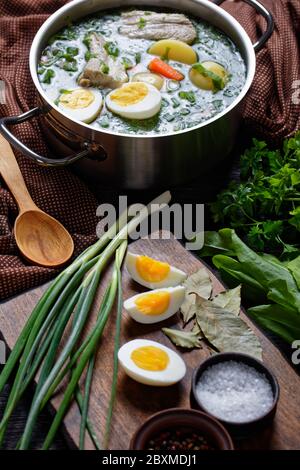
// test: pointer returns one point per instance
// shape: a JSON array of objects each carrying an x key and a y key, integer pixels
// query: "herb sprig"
[{"x": 264, "y": 206}]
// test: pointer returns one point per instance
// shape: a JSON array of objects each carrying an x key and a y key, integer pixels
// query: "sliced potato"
[
  {"x": 149, "y": 77},
  {"x": 174, "y": 50},
  {"x": 204, "y": 82}
]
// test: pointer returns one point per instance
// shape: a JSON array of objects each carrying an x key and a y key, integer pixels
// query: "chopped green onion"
[
  {"x": 104, "y": 121},
  {"x": 185, "y": 111},
  {"x": 62, "y": 91},
  {"x": 138, "y": 57},
  {"x": 187, "y": 95},
  {"x": 169, "y": 117},
  {"x": 165, "y": 56},
  {"x": 175, "y": 102}
]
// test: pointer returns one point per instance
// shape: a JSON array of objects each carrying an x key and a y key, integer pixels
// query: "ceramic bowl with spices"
[
  {"x": 179, "y": 429},
  {"x": 238, "y": 390}
]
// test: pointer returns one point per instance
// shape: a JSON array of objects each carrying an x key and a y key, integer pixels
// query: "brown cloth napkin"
[
  {"x": 273, "y": 105},
  {"x": 269, "y": 111},
  {"x": 54, "y": 190}
]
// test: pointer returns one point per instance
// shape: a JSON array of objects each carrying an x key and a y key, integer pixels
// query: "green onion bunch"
[{"x": 51, "y": 352}]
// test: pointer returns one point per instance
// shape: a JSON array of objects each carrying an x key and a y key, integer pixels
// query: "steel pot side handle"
[
  {"x": 17, "y": 144},
  {"x": 262, "y": 10}
]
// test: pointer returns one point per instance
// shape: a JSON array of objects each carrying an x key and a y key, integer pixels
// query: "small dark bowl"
[
  {"x": 238, "y": 430},
  {"x": 172, "y": 418}
]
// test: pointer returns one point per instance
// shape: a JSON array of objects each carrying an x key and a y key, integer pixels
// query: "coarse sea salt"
[{"x": 233, "y": 391}]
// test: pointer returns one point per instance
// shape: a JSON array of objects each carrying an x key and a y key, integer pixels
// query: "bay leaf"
[
  {"x": 183, "y": 339},
  {"x": 229, "y": 300},
  {"x": 226, "y": 331},
  {"x": 197, "y": 283},
  {"x": 196, "y": 329}
]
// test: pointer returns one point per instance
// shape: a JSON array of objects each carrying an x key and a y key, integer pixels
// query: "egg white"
[
  {"x": 174, "y": 372},
  {"x": 144, "y": 109},
  {"x": 174, "y": 277},
  {"x": 177, "y": 295},
  {"x": 87, "y": 114}
]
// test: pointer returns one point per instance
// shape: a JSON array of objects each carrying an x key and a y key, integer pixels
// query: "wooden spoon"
[{"x": 41, "y": 239}]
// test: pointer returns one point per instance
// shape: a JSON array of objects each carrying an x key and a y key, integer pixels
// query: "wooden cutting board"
[{"x": 135, "y": 402}]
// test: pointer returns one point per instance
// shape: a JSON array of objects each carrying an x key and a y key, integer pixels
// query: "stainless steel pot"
[{"x": 139, "y": 162}]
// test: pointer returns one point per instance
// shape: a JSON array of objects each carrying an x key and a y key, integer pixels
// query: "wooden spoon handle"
[{"x": 12, "y": 175}]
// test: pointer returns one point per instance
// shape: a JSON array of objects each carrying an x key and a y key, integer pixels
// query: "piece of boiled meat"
[
  {"x": 101, "y": 70},
  {"x": 150, "y": 25}
]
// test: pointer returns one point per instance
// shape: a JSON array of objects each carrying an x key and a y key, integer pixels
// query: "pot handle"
[
  {"x": 16, "y": 143},
  {"x": 262, "y": 10}
]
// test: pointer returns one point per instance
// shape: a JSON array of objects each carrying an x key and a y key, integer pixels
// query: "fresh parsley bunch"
[{"x": 264, "y": 207}]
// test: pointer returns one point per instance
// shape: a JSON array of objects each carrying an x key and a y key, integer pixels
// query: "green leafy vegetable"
[
  {"x": 218, "y": 82},
  {"x": 104, "y": 68},
  {"x": 112, "y": 49},
  {"x": 68, "y": 34},
  {"x": 294, "y": 267},
  {"x": 277, "y": 319},
  {"x": 89, "y": 55},
  {"x": 47, "y": 77},
  {"x": 142, "y": 23},
  {"x": 70, "y": 66},
  {"x": 265, "y": 279},
  {"x": 87, "y": 40},
  {"x": 197, "y": 283},
  {"x": 72, "y": 51},
  {"x": 127, "y": 63},
  {"x": 264, "y": 207}
]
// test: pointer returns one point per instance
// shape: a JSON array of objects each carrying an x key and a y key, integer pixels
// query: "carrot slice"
[{"x": 159, "y": 66}]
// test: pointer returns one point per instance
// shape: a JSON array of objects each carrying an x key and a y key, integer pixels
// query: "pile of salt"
[{"x": 235, "y": 392}]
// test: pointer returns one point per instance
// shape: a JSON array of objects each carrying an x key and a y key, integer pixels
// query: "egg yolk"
[
  {"x": 154, "y": 303},
  {"x": 77, "y": 99},
  {"x": 129, "y": 94},
  {"x": 151, "y": 270},
  {"x": 150, "y": 358}
]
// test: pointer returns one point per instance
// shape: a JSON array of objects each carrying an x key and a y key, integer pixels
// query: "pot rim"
[{"x": 66, "y": 11}]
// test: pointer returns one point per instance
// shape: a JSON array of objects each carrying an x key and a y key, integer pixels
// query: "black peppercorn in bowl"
[
  {"x": 181, "y": 429},
  {"x": 238, "y": 429}
]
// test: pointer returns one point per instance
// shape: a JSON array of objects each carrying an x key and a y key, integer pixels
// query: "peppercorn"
[{"x": 179, "y": 439}]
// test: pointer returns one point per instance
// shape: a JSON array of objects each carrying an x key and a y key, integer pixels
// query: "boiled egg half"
[
  {"x": 151, "y": 363},
  {"x": 82, "y": 104},
  {"x": 152, "y": 273},
  {"x": 156, "y": 305},
  {"x": 134, "y": 100}
]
